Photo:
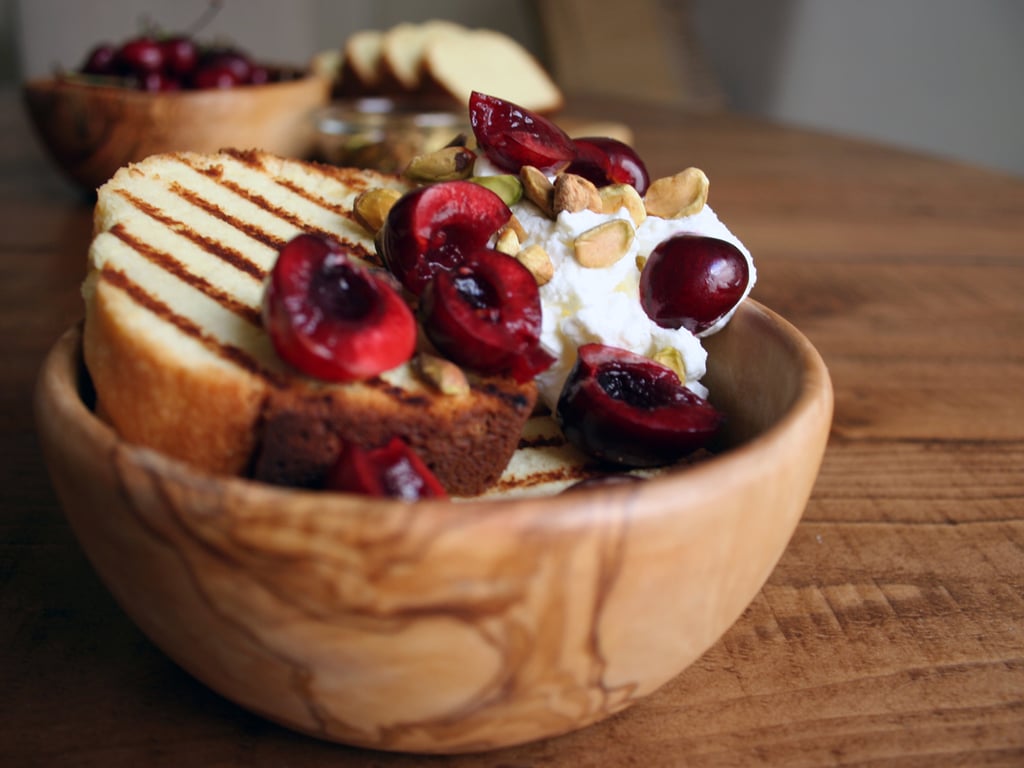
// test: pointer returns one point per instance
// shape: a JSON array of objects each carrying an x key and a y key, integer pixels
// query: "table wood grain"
[{"x": 891, "y": 632}]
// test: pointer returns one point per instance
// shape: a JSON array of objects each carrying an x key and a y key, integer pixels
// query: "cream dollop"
[{"x": 582, "y": 305}]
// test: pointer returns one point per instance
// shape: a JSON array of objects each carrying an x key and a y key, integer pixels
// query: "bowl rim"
[{"x": 63, "y": 369}]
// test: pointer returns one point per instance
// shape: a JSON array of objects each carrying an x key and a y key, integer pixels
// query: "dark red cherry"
[
  {"x": 332, "y": 318},
  {"x": 393, "y": 471},
  {"x": 430, "y": 229},
  {"x": 215, "y": 76},
  {"x": 606, "y": 161},
  {"x": 181, "y": 55},
  {"x": 159, "y": 82},
  {"x": 139, "y": 56},
  {"x": 101, "y": 60},
  {"x": 691, "y": 281},
  {"x": 231, "y": 59},
  {"x": 629, "y": 410},
  {"x": 485, "y": 314},
  {"x": 511, "y": 136}
]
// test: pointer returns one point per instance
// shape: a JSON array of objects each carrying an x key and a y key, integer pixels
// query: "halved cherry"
[
  {"x": 393, "y": 470},
  {"x": 692, "y": 282},
  {"x": 512, "y": 136},
  {"x": 332, "y": 318},
  {"x": 431, "y": 228},
  {"x": 606, "y": 161},
  {"x": 626, "y": 409},
  {"x": 486, "y": 315}
]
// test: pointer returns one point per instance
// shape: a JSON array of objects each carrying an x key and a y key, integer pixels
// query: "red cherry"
[
  {"x": 208, "y": 77},
  {"x": 260, "y": 75},
  {"x": 158, "y": 82},
  {"x": 430, "y": 229},
  {"x": 391, "y": 471},
  {"x": 691, "y": 281},
  {"x": 512, "y": 136},
  {"x": 101, "y": 60},
  {"x": 331, "y": 318},
  {"x": 139, "y": 56},
  {"x": 606, "y": 161},
  {"x": 486, "y": 315},
  {"x": 181, "y": 55},
  {"x": 231, "y": 59},
  {"x": 629, "y": 410}
]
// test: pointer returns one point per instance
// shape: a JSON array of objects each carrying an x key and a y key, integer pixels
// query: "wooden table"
[{"x": 892, "y": 630}]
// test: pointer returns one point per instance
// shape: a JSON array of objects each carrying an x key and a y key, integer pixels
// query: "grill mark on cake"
[
  {"x": 169, "y": 264},
  {"x": 253, "y": 160},
  {"x": 257, "y": 233},
  {"x": 149, "y": 302},
  {"x": 215, "y": 248}
]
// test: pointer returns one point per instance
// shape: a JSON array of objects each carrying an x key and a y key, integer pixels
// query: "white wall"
[{"x": 943, "y": 76}]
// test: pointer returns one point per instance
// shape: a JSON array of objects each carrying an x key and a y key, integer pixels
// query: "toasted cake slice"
[{"x": 178, "y": 355}]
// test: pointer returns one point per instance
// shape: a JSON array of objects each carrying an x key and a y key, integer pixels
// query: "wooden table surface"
[{"x": 892, "y": 630}]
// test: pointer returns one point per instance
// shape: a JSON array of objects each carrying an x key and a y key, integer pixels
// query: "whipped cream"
[{"x": 583, "y": 305}]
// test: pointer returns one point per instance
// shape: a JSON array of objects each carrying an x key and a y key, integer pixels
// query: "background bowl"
[
  {"x": 447, "y": 626},
  {"x": 92, "y": 130}
]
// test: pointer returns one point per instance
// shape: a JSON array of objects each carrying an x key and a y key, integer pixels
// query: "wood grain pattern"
[
  {"x": 890, "y": 633},
  {"x": 447, "y": 627}
]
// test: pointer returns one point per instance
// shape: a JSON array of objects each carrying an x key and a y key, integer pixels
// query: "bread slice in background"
[
  {"x": 360, "y": 70},
  {"x": 493, "y": 63},
  {"x": 402, "y": 46},
  {"x": 437, "y": 62},
  {"x": 176, "y": 349}
]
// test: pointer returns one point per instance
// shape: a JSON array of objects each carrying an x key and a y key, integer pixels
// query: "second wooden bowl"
[{"x": 90, "y": 130}]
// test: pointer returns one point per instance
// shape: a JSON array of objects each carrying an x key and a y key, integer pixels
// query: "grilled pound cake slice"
[{"x": 175, "y": 346}]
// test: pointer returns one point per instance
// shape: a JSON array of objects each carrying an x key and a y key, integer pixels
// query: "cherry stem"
[{"x": 207, "y": 16}]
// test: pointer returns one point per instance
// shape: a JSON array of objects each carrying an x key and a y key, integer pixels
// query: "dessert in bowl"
[{"x": 444, "y": 624}]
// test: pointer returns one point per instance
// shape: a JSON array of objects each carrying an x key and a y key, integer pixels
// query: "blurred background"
[{"x": 939, "y": 76}]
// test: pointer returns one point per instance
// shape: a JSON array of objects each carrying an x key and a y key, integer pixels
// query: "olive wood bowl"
[
  {"x": 92, "y": 130},
  {"x": 444, "y": 626}
]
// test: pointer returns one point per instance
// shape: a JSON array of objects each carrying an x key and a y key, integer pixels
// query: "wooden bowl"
[
  {"x": 92, "y": 130},
  {"x": 447, "y": 626}
]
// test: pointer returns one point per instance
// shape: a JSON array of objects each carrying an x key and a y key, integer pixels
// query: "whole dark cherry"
[
  {"x": 485, "y": 314},
  {"x": 139, "y": 56},
  {"x": 692, "y": 282},
  {"x": 101, "y": 60},
  {"x": 512, "y": 136},
  {"x": 332, "y": 318},
  {"x": 392, "y": 470},
  {"x": 181, "y": 55},
  {"x": 628, "y": 410},
  {"x": 605, "y": 161}
]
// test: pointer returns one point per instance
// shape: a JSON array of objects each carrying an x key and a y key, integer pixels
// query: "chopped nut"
[
  {"x": 507, "y": 241},
  {"x": 538, "y": 189},
  {"x": 446, "y": 164},
  {"x": 574, "y": 193},
  {"x": 617, "y": 196},
  {"x": 370, "y": 208},
  {"x": 670, "y": 357},
  {"x": 445, "y": 375},
  {"x": 674, "y": 197},
  {"x": 506, "y": 186},
  {"x": 536, "y": 259},
  {"x": 517, "y": 226},
  {"x": 605, "y": 244},
  {"x": 641, "y": 262}
]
